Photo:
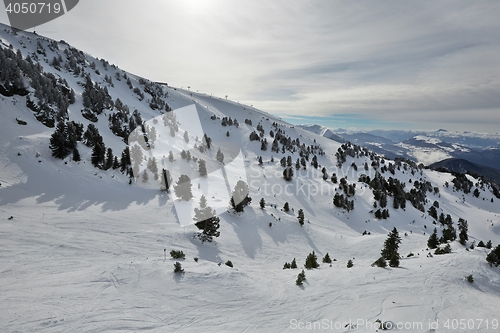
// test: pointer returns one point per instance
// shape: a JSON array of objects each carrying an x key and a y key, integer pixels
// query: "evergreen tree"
[
  {"x": 301, "y": 277},
  {"x": 381, "y": 262},
  {"x": 186, "y": 136},
  {"x": 145, "y": 176},
  {"x": 207, "y": 221},
  {"x": 433, "y": 240},
  {"x": 202, "y": 168},
  {"x": 433, "y": 212},
  {"x": 489, "y": 245},
  {"x": 183, "y": 188},
  {"x": 76, "y": 155},
  {"x": 178, "y": 268},
  {"x": 220, "y": 156},
  {"x": 350, "y": 264},
  {"x": 240, "y": 198},
  {"x": 116, "y": 163},
  {"x": 293, "y": 264},
  {"x": 170, "y": 156},
  {"x": 98, "y": 153},
  {"x": 481, "y": 244},
  {"x": 394, "y": 262},
  {"x": 125, "y": 160},
  {"x": 391, "y": 245},
  {"x": 58, "y": 141},
  {"x": 493, "y": 258},
  {"x": 327, "y": 259},
  {"x": 262, "y": 203},
  {"x": 286, "y": 207},
  {"x": 288, "y": 173},
  {"x": 463, "y": 228},
  {"x": 300, "y": 217},
  {"x": 109, "y": 159},
  {"x": 311, "y": 261}
]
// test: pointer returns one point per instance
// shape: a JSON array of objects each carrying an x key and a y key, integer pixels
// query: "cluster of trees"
[
  {"x": 493, "y": 258},
  {"x": 382, "y": 214},
  {"x": 122, "y": 123},
  {"x": 462, "y": 183},
  {"x": 95, "y": 98},
  {"x": 52, "y": 95},
  {"x": 64, "y": 139},
  {"x": 157, "y": 94},
  {"x": 342, "y": 201},
  {"x": 228, "y": 121},
  {"x": 352, "y": 150}
]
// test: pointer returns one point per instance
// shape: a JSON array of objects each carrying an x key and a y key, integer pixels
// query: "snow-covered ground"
[{"x": 85, "y": 251}]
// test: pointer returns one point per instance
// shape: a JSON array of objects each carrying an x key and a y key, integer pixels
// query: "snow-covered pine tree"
[
  {"x": 391, "y": 244},
  {"x": 207, "y": 221},
  {"x": 183, "y": 188}
]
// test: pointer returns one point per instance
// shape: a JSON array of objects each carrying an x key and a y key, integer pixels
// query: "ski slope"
[{"x": 84, "y": 251}]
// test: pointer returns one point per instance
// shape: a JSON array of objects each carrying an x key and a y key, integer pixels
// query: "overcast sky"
[{"x": 365, "y": 64}]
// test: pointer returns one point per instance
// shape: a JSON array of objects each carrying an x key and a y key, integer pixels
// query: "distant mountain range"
[
  {"x": 464, "y": 166},
  {"x": 423, "y": 147}
]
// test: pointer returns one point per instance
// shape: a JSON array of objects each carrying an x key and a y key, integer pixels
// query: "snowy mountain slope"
[{"x": 84, "y": 250}]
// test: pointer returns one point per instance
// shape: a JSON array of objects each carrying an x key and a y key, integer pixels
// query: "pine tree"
[
  {"x": 286, "y": 207},
  {"x": 300, "y": 217},
  {"x": 98, "y": 153},
  {"x": 76, "y": 155},
  {"x": 301, "y": 277},
  {"x": 327, "y": 259},
  {"x": 125, "y": 160},
  {"x": 202, "y": 168},
  {"x": 381, "y": 262},
  {"x": 288, "y": 174},
  {"x": 489, "y": 245},
  {"x": 58, "y": 141},
  {"x": 240, "y": 198},
  {"x": 109, "y": 159},
  {"x": 183, "y": 188},
  {"x": 493, "y": 258},
  {"x": 186, "y": 136},
  {"x": 350, "y": 264},
  {"x": 170, "y": 156},
  {"x": 433, "y": 241},
  {"x": 145, "y": 176},
  {"x": 220, "y": 156},
  {"x": 311, "y": 261},
  {"x": 394, "y": 262},
  {"x": 116, "y": 163},
  {"x": 391, "y": 245},
  {"x": 463, "y": 228},
  {"x": 178, "y": 268},
  {"x": 293, "y": 264},
  {"x": 262, "y": 203},
  {"x": 207, "y": 221}
]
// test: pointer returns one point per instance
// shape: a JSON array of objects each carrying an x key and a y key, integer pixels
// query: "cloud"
[{"x": 414, "y": 62}]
